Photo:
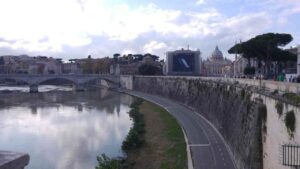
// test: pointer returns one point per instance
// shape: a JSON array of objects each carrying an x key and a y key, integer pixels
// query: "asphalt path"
[{"x": 208, "y": 148}]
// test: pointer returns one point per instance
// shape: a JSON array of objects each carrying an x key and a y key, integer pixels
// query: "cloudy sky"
[{"x": 77, "y": 28}]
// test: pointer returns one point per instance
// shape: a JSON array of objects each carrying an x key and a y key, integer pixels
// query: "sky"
[{"x": 78, "y": 28}]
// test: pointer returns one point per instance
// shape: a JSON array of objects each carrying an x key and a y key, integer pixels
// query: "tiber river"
[{"x": 61, "y": 129}]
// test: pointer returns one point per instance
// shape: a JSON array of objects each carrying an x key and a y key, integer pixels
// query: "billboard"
[{"x": 184, "y": 62}]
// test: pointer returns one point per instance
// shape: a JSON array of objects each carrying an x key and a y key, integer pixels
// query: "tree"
[
  {"x": 116, "y": 57},
  {"x": 154, "y": 57},
  {"x": 2, "y": 62},
  {"x": 87, "y": 66},
  {"x": 105, "y": 162},
  {"x": 147, "y": 69},
  {"x": 266, "y": 48}
]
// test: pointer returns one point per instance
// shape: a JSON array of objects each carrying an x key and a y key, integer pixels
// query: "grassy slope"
[{"x": 165, "y": 145}]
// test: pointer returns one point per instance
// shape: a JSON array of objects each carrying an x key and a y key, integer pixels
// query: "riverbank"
[
  {"x": 155, "y": 141},
  {"x": 165, "y": 146}
]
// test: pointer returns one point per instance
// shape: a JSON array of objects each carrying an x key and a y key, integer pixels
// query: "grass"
[
  {"x": 165, "y": 146},
  {"x": 155, "y": 141},
  {"x": 176, "y": 155}
]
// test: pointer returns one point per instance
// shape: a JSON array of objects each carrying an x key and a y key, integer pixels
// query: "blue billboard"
[{"x": 184, "y": 62}]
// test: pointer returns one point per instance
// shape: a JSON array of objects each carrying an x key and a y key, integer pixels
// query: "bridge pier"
[
  {"x": 33, "y": 88},
  {"x": 79, "y": 87}
]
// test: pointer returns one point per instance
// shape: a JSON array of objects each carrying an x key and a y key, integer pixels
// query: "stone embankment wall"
[{"x": 248, "y": 121}]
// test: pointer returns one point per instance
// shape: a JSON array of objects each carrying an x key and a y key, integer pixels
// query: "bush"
[
  {"x": 147, "y": 69},
  {"x": 105, "y": 162},
  {"x": 290, "y": 120},
  {"x": 133, "y": 140},
  {"x": 135, "y": 137}
]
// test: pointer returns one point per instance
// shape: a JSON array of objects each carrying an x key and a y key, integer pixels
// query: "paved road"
[{"x": 207, "y": 147}]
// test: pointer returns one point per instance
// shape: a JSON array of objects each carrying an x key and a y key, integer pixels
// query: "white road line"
[
  {"x": 199, "y": 145},
  {"x": 220, "y": 136}
]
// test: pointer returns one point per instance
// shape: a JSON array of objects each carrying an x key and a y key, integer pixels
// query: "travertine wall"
[
  {"x": 234, "y": 112},
  {"x": 276, "y": 134}
]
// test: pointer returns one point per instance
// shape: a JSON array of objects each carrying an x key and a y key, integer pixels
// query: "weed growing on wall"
[
  {"x": 243, "y": 92},
  {"x": 290, "y": 122},
  {"x": 262, "y": 112},
  {"x": 275, "y": 92},
  {"x": 279, "y": 108},
  {"x": 293, "y": 97}
]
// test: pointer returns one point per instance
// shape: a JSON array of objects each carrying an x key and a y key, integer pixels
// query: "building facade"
[
  {"x": 24, "y": 64},
  {"x": 215, "y": 65},
  {"x": 183, "y": 63}
]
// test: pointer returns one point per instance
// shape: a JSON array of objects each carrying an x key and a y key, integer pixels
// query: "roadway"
[{"x": 208, "y": 148}]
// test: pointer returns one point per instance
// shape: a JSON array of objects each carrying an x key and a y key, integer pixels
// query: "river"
[{"x": 62, "y": 129}]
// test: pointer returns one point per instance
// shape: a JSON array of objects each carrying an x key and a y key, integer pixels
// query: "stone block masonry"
[
  {"x": 231, "y": 112},
  {"x": 234, "y": 108}
]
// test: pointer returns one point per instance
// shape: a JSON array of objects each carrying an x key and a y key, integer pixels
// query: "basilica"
[{"x": 216, "y": 64}]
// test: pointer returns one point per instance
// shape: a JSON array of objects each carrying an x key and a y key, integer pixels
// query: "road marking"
[
  {"x": 220, "y": 136},
  {"x": 199, "y": 145}
]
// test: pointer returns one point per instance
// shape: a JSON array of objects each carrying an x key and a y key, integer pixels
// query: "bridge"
[{"x": 79, "y": 81}]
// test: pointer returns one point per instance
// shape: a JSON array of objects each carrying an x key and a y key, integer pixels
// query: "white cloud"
[
  {"x": 82, "y": 27},
  {"x": 200, "y": 2},
  {"x": 153, "y": 46},
  {"x": 4, "y": 44}
]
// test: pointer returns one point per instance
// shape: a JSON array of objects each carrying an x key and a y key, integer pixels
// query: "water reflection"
[{"x": 64, "y": 130}]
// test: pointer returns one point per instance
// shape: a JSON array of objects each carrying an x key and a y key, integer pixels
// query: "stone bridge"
[{"x": 79, "y": 80}]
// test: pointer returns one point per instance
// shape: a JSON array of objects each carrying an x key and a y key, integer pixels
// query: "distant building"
[
  {"x": 183, "y": 63},
  {"x": 30, "y": 65},
  {"x": 71, "y": 68},
  {"x": 126, "y": 68},
  {"x": 215, "y": 64}
]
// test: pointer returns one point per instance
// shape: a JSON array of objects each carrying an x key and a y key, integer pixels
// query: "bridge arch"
[
  {"x": 79, "y": 81},
  {"x": 7, "y": 79},
  {"x": 49, "y": 79}
]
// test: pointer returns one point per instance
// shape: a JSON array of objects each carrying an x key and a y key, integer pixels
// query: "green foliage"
[
  {"x": 265, "y": 48},
  {"x": 177, "y": 153},
  {"x": 243, "y": 92},
  {"x": 279, "y": 107},
  {"x": 105, "y": 162},
  {"x": 292, "y": 97},
  {"x": 262, "y": 111},
  {"x": 135, "y": 137},
  {"x": 147, "y": 69},
  {"x": 275, "y": 92},
  {"x": 262, "y": 114},
  {"x": 290, "y": 122},
  {"x": 249, "y": 71},
  {"x": 133, "y": 140}
]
